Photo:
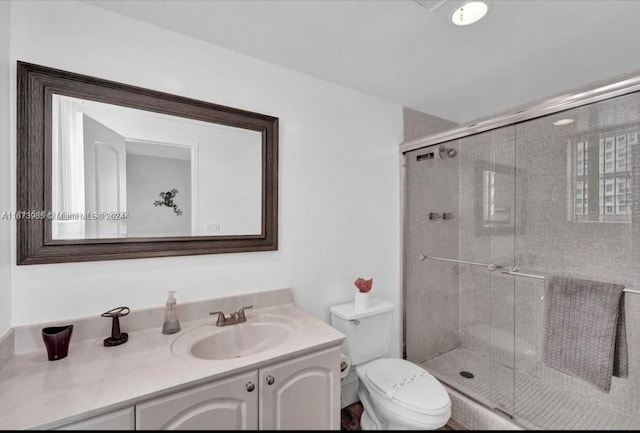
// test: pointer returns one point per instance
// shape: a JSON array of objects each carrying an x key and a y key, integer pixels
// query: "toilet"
[{"x": 395, "y": 394}]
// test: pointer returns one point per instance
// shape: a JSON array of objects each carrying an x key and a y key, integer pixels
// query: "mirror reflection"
[
  {"x": 120, "y": 172},
  {"x": 600, "y": 175},
  {"x": 496, "y": 201}
]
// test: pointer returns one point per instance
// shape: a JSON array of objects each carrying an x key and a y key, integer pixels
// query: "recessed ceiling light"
[
  {"x": 469, "y": 13},
  {"x": 563, "y": 122}
]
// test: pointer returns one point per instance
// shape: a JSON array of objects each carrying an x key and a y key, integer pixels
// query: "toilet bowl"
[
  {"x": 396, "y": 394},
  {"x": 401, "y": 396}
]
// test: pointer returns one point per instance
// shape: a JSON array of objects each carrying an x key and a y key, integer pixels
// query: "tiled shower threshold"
[{"x": 538, "y": 405}]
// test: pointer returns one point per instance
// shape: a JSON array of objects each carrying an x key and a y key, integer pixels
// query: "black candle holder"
[{"x": 56, "y": 340}]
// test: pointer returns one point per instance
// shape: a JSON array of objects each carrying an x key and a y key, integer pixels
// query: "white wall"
[
  {"x": 147, "y": 177},
  {"x": 5, "y": 166},
  {"x": 338, "y": 174}
]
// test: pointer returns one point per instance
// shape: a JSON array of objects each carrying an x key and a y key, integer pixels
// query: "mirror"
[
  {"x": 109, "y": 171},
  {"x": 120, "y": 172}
]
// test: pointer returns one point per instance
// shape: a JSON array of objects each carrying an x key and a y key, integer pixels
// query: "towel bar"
[
  {"x": 490, "y": 266},
  {"x": 516, "y": 273}
]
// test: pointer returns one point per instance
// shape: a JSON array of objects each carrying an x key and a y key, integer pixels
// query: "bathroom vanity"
[
  {"x": 157, "y": 381},
  {"x": 297, "y": 394}
]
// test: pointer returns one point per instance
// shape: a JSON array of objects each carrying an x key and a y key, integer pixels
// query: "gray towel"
[{"x": 585, "y": 331}]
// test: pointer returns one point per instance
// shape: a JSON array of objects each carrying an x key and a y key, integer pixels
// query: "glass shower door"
[
  {"x": 581, "y": 218},
  {"x": 558, "y": 194},
  {"x": 459, "y": 235},
  {"x": 487, "y": 232}
]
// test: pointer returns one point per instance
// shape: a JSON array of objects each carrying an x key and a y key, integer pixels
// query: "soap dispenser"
[{"x": 171, "y": 323}]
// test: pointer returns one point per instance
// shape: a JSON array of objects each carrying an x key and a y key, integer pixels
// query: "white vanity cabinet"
[
  {"x": 122, "y": 419},
  {"x": 227, "y": 404},
  {"x": 298, "y": 394},
  {"x": 302, "y": 393}
]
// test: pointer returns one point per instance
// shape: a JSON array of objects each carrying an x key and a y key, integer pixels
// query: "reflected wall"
[{"x": 92, "y": 145}]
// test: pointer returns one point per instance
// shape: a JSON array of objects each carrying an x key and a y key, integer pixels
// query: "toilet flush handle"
[{"x": 355, "y": 321}]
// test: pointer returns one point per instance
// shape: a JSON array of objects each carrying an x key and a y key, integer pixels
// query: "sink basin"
[
  {"x": 254, "y": 336},
  {"x": 234, "y": 343}
]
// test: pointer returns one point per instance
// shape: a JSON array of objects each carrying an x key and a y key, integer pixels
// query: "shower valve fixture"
[
  {"x": 436, "y": 216},
  {"x": 447, "y": 152}
]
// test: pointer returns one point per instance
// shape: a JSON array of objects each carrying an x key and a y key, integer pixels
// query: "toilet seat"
[
  {"x": 408, "y": 385},
  {"x": 405, "y": 393}
]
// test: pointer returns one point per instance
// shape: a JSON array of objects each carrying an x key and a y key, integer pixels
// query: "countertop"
[{"x": 93, "y": 379}]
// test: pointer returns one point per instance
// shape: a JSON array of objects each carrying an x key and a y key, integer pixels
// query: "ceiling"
[{"x": 522, "y": 51}]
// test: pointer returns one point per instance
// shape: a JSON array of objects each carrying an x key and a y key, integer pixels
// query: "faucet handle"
[
  {"x": 221, "y": 317},
  {"x": 241, "y": 310}
]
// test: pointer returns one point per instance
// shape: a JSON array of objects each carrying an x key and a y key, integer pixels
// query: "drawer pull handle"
[
  {"x": 270, "y": 380},
  {"x": 250, "y": 386}
]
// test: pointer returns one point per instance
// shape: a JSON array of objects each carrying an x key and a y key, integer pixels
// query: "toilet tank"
[{"x": 368, "y": 330}]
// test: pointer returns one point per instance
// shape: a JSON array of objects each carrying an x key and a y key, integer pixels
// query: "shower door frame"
[{"x": 594, "y": 92}]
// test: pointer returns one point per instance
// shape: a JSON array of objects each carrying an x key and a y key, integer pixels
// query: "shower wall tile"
[
  {"x": 418, "y": 124},
  {"x": 431, "y": 287}
]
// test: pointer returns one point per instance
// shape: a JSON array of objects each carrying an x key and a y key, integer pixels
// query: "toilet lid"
[{"x": 406, "y": 383}]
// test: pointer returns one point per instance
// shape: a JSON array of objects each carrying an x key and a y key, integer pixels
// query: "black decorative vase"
[{"x": 56, "y": 340}]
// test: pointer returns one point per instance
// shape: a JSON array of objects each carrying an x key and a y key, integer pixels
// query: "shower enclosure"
[{"x": 492, "y": 208}]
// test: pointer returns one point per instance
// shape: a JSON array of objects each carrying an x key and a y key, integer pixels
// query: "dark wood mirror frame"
[{"x": 35, "y": 245}]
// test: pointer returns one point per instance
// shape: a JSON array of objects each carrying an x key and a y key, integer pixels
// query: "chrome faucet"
[{"x": 235, "y": 317}]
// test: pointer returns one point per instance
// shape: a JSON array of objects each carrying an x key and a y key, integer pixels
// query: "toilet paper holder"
[{"x": 345, "y": 365}]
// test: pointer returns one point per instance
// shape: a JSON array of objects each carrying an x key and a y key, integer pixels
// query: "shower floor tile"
[{"x": 539, "y": 405}]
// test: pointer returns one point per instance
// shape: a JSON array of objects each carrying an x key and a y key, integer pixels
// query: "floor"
[
  {"x": 350, "y": 418},
  {"x": 539, "y": 405}
]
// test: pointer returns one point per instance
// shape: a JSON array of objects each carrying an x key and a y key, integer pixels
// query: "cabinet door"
[
  {"x": 228, "y": 404},
  {"x": 118, "y": 420},
  {"x": 302, "y": 394}
]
